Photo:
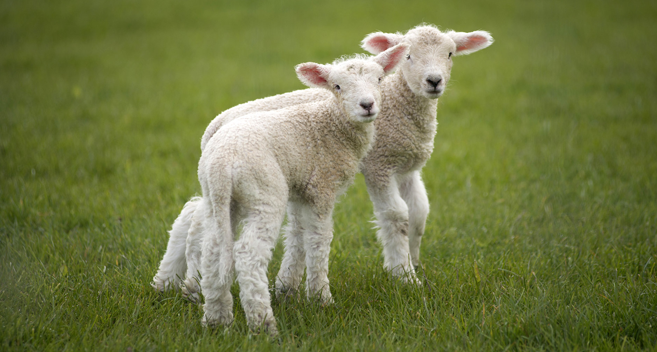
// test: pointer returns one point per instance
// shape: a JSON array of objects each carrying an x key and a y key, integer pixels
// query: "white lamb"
[
  {"x": 303, "y": 157},
  {"x": 405, "y": 130}
]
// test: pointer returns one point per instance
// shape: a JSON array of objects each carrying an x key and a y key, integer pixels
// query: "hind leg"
[
  {"x": 191, "y": 286},
  {"x": 291, "y": 272},
  {"x": 317, "y": 242},
  {"x": 173, "y": 265},
  {"x": 252, "y": 252},
  {"x": 217, "y": 267}
]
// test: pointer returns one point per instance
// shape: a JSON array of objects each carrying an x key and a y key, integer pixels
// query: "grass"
[{"x": 543, "y": 228}]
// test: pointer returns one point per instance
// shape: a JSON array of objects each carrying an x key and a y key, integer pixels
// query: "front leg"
[{"x": 392, "y": 219}]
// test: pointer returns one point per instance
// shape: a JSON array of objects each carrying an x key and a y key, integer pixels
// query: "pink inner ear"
[
  {"x": 379, "y": 42},
  {"x": 472, "y": 42},
  {"x": 394, "y": 59},
  {"x": 313, "y": 74}
]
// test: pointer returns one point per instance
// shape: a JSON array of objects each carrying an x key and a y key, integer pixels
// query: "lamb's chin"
[
  {"x": 366, "y": 118},
  {"x": 433, "y": 94}
]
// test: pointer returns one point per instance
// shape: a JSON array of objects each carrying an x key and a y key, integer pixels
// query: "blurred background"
[{"x": 544, "y": 163}]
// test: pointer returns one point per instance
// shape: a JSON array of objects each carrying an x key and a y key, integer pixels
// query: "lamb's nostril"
[
  {"x": 434, "y": 82},
  {"x": 367, "y": 105}
]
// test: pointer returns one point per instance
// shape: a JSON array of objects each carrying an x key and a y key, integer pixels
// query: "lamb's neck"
[
  {"x": 356, "y": 136},
  {"x": 399, "y": 95}
]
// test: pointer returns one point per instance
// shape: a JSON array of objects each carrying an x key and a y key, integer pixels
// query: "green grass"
[{"x": 543, "y": 182}]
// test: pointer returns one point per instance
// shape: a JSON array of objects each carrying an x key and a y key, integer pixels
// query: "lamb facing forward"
[
  {"x": 405, "y": 130},
  {"x": 305, "y": 156},
  {"x": 404, "y": 140}
]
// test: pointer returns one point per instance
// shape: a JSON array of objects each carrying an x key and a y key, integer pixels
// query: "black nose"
[
  {"x": 434, "y": 82},
  {"x": 367, "y": 105}
]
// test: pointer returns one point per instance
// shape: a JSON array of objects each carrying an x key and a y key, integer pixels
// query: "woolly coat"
[
  {"x": 317, "y": 154},
  {"x": 405, "y": 127}
]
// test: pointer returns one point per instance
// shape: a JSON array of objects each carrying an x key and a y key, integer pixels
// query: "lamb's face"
[
  {"x": 428, "y": 66},
  {"x": 355, "y": 84}
]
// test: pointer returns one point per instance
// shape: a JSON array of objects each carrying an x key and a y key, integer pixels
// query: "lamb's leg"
[
  {"x": 414, "y": 194},
  {"x": 173, "y": 265},
  {"x": 291, "y": 272},
  {"x": 191, "y": 286},
  {"x": 317, "y": 242},
  {"x": 252, "y": 252},
  {"x": 217, "y": 268},
  {"x": 392, "y": 219}
]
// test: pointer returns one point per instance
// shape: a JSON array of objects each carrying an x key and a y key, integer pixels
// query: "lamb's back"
[{"x": 275, "y": 102}]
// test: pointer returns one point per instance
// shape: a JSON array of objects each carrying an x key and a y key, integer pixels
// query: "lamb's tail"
[{"x": 174, "y": 265}]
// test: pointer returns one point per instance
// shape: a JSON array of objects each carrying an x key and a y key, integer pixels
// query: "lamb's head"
[
  {"x": 428, "y": 65},
  {"x": 355, "y": 81}
]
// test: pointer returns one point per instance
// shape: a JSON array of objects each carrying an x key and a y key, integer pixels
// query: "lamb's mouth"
[
  {"x": 434, "y": 93},
  {"x": 368, "y": 117}
]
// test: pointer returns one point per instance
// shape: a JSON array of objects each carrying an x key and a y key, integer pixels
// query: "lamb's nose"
[
  {"x": 434, "y": 81},
  {"x": 367, "y": 105}
]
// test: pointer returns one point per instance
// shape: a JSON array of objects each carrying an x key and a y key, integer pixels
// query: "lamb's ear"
[
  {"x": 313, "y": 75},
  {"x": 379, "y": 42},
  {"x": 390, "y": 58},
  {"x": 468, "y": 43}
]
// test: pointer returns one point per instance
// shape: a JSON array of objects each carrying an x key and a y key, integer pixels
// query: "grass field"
[{"x": 543, "y": 182}]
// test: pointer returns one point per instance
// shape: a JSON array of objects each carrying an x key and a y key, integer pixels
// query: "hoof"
[
  {"x": 190, "y": 290},
  {"x": 407, "y": 277},
  {"x": 285, "y": 294},
  {"x": 193, "y": 297},
  {"x": 212, "y": 321},
  {"x": 159, "y": 285},
  {"x": 268, "y": 327},
  {"x": 328, "y": 302},
  {"x": 326, "y": 299}
]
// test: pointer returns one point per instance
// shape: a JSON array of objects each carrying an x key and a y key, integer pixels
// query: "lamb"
[
  {"x": 405, "y": 131},
  {"x": 405, "y": 127},
  {"x": 405, "y": 134},
  {"x": 182, "y": 257},
  {"x": 303, "y": 156}
]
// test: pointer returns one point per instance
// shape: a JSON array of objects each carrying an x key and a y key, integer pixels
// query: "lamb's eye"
[
  {"x": 408, "y": 57},
  {"x": 337, "y": 87},
  {"x": 379, "y": 79},
  {"x": 450, "y": 55}
]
